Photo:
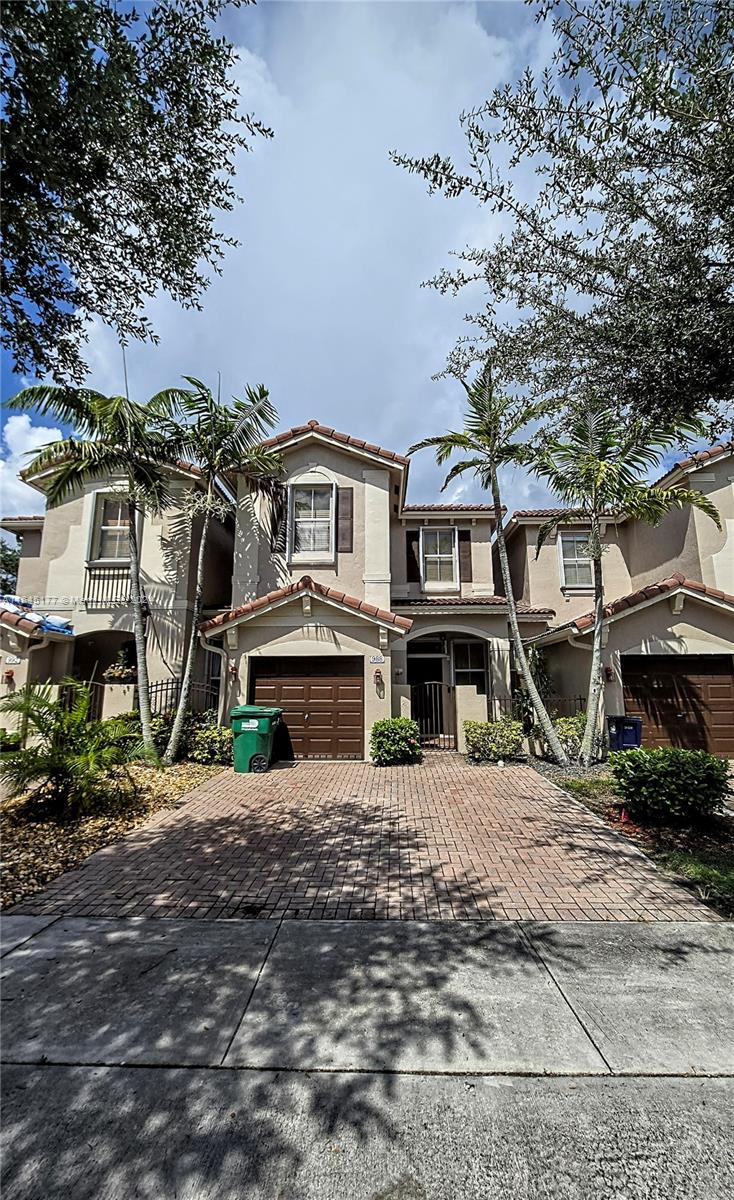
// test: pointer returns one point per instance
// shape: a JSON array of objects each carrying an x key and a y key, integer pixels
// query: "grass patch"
[
  {"x": 38, "y": 844},
  {"x": 711, "y": 872},
  {"x": 700, "y": 856}
]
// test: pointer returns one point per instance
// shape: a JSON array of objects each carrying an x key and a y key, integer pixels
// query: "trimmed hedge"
[
  {"x": 203, "y": 739},
  {"x": 674, "y": 785},
  {"x": 493, "y": 741},
  {"x": 395, "y": 740}
]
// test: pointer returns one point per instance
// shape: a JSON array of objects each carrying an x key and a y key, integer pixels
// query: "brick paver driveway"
[{"x": 349, "y": 840}]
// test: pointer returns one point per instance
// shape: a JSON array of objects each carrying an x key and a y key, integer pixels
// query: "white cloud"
[
  {"x": 322, "y": 301},
  {"x": 19, "y": 438}
]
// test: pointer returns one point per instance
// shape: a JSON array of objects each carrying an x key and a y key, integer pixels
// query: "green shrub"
[
  {"x": 395, "y": 740},
  {"x": 210, "y": 742},
  {"x": 670, "y": 784},
  {"x": 203, "y": 739},
  {"x": 68, "y": 755},
  {"x": 9, "y": 740},
  {"x": 493, "y": 741},
  {"x": 570, "y": 732}
]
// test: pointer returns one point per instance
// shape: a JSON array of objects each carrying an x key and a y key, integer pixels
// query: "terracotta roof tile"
[
  {"x": 13, "y": 620},
  {"x": 448, "y": 508},
  {"x": 37, "y": 517},
  {"x": 469, "y": 601},
  {"x": 649, "y": 592},
  {"x": 334, "y": 435},
  {"x": 307, "y": 584}
]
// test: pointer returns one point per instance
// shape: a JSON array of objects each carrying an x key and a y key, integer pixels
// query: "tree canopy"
[
  {"x": 613, "y": 172},
  {"x": 120, "y": 130}
]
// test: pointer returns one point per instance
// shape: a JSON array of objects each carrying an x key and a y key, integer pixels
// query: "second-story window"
[
  {"x": 312, "y": 521},
  {"x": 111, "y": 536},
  {"x": 438, "y": 558},
  {"x": 575, "y": 561}
]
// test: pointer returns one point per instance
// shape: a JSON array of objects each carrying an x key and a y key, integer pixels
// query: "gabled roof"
[
  {"x": 306, "y": 586},
  {"x": 652, "y": 591},
  {"x": 700, "y": 459},
  {"x": 314, "y": 427}
]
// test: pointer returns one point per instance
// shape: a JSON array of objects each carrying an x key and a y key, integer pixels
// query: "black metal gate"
[{"x": 432, "y": 706}]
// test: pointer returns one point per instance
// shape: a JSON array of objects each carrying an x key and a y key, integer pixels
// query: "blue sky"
[{"x": 322, "y": 301}]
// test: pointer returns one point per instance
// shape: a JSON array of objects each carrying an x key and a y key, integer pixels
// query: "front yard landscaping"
[
  {"x": 38, "y": 843},
  {"x": 699, "y": 857}
]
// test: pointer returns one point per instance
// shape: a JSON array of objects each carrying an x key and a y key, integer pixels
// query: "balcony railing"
[{"x": 106, "y": 586}]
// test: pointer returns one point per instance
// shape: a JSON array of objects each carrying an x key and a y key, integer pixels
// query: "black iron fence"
[
  {"x": 66, "y": 698},
  {"x": 432, "y": 706},
  {"x": 519, "y": 706},
  {"x": 164, "y": 696}
]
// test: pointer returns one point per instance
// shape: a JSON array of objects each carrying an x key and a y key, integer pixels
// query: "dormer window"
[
  {"x": 439, "y": 566},
  {"x": 312, "y": 522},
  {"x": 575, "y": 560}
]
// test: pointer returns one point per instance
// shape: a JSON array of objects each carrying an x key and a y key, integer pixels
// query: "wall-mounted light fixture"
[{"x": 377, "y": 677}]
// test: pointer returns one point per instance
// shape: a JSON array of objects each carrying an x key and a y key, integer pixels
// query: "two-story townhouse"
[
  {"x": 668, "y": 652},
  {"x": 74, "y": 567},
  {"x": 351, "y": 605}
]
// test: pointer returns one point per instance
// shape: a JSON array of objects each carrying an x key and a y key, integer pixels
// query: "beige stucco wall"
[
  {"x": 482, "y": 581},
  {"x": 653, "y": 629},
  {"x": 58, "y": 581},
  {"x": 327, "y": 632},
  {"x": 544, "y": 573},
  {"x": 365, "y": 572},
  {"x": 470, "y": 706}
]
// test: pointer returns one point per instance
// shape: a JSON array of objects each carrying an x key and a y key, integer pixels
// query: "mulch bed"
[{"x": 38, "y": 845}]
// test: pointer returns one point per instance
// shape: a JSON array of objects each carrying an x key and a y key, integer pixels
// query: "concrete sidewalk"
[{"x": 406, "y": 1060}]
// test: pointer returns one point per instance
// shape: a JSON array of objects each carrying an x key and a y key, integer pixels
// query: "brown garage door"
[
  {"x": 322, "y": 702},
  {"x": 684, "y": 700}
]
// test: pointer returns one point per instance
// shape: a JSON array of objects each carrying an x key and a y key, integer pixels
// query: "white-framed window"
[
  {"x": 575, "y": 560},
  {"x": 110, "y": 533},
  {"x": 311, "y": 521},
  {"x": 439, "y": 561},
  {"x": 470, "y": 665}
]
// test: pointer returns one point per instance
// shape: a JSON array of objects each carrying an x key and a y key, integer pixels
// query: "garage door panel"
[
  {"x": 684, "y": 700},
  {"x": 324, "y": 716}
]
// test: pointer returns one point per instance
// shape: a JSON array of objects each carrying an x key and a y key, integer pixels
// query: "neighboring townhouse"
[
  {"x": 341, "y": 603},
  {"x": 350, "y": 605},
  {"x": 669, "y": 618},
  {"x": 74, "y": 569}
]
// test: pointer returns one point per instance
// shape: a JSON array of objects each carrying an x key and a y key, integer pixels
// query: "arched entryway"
[
  {"x": 95, "y": 652},
  {"x": 438, "y": 663}
]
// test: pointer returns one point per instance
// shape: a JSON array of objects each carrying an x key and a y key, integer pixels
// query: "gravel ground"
[
  {"x": 37, "y": 846},
  {"x": 552, "y": 771}
]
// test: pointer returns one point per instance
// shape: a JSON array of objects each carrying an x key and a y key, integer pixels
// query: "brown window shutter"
[
  {"x": 465, "y": 556},
  {"x": 279, "y": 521},
  {"x": 345, "y": 520},
  {"x": 413, "y": 567}
]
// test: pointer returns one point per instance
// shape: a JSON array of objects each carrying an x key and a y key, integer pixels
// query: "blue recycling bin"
[{"x": 625, "y": 733}]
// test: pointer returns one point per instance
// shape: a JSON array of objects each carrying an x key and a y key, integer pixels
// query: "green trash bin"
[{"x": 254, "y": 733}]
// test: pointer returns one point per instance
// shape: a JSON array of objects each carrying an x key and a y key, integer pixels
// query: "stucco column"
[{"x": 377, "y": 538}]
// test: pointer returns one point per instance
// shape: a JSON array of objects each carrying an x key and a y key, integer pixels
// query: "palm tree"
[
  {"x": 220, "y": 440},
  {"x": 113, "y": 435},
  {"x": 492, "y": 421},
  {"x": 70, "y": 755},
  {"x": 597, "y": 468}
]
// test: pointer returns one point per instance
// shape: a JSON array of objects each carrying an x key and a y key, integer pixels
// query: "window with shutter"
[
  {"x": 345, "y": 520},
  {"x": 465, "y": 567},
  {"x": 412, "y": 561}
]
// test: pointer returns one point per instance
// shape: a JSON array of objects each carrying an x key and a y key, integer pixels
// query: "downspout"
[
  {"x": 224, "y": 681},
  {"x": 42, "y": 645}
]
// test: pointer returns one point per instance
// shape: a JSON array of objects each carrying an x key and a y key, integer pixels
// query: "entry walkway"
[{"x": 444, "y": 840}]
